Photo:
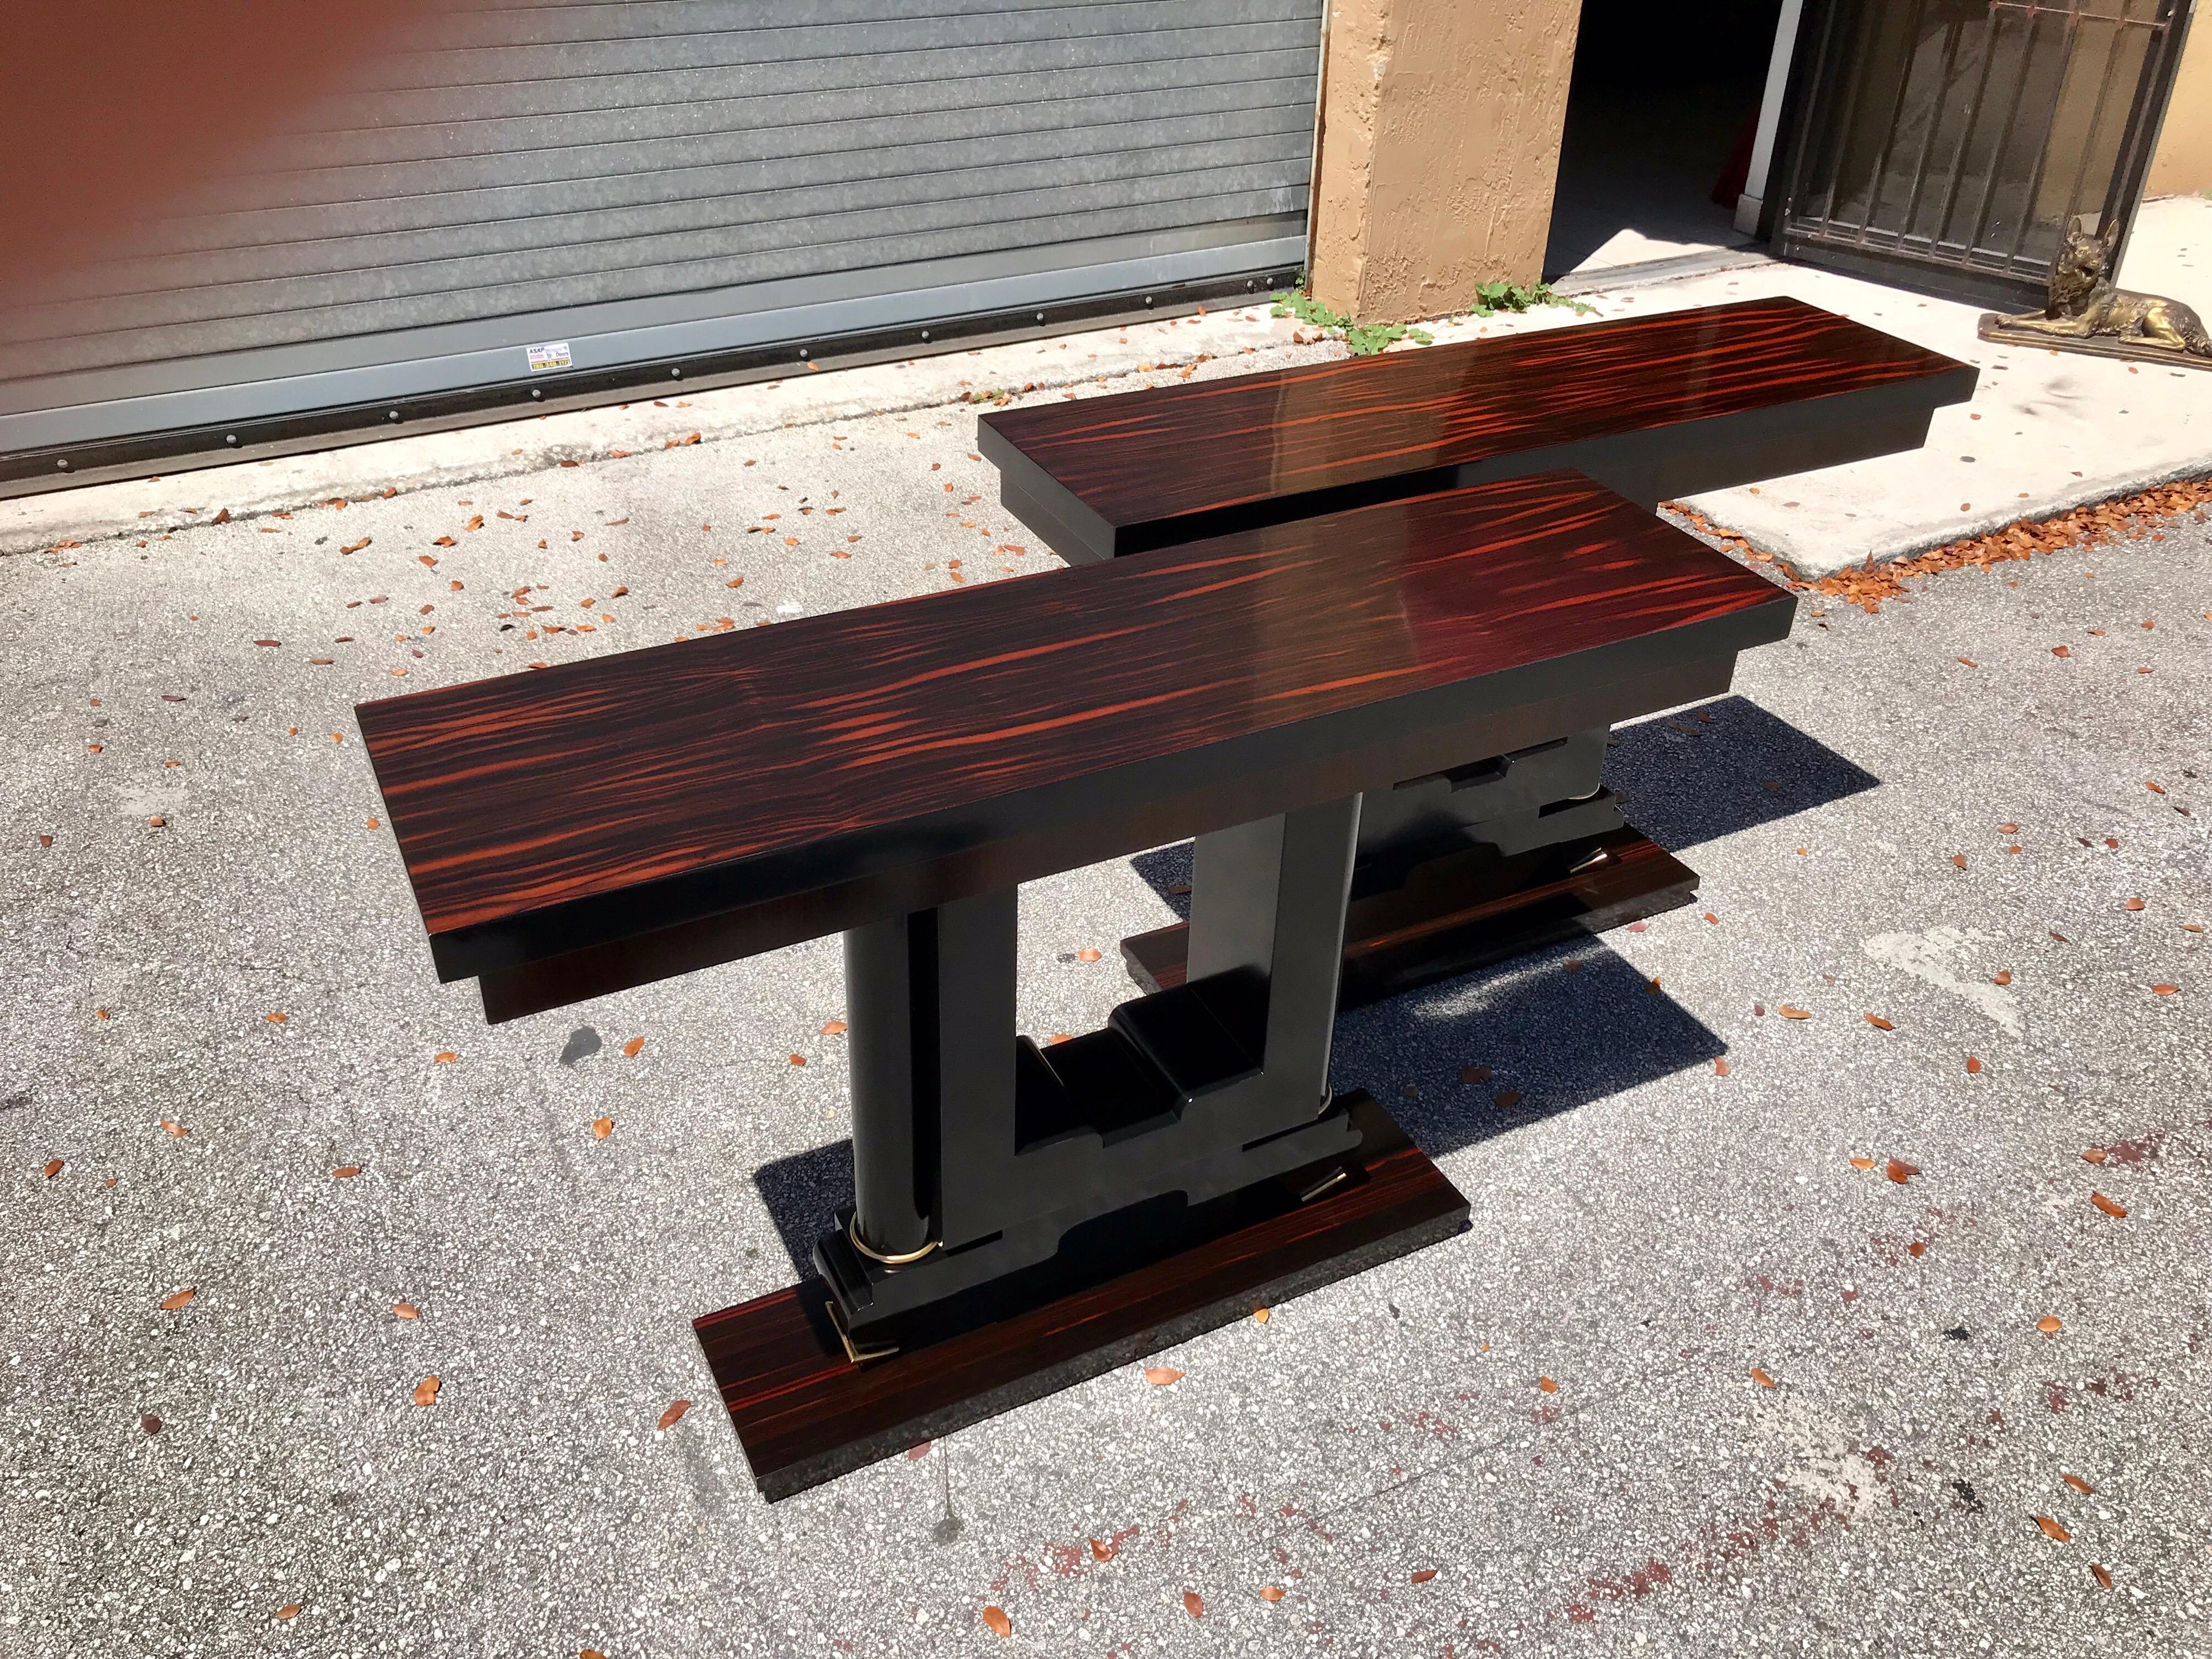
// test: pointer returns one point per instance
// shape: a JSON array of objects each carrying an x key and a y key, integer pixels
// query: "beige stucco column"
[
  {"x": 1439, "y": 148},
  {"x": 2181, "y": 164}
]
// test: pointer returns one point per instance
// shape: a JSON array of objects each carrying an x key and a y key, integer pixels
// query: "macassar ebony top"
[
  {"x": 1147, "y": 468},
  {"x": 832, "y": 770}
]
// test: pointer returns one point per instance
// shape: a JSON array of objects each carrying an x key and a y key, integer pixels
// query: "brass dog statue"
[{"x": 2085, "y": 307}]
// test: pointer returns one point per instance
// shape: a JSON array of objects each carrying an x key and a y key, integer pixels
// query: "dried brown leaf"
[
  {"x": 2094, "y": 1155},
  {"x": 1973, "y": 1064},
  {"x": 674, "y": 1414},
  {"x": 1193, "y": 1604},
  {"x": 1788, "y": 1013},
  {"x": 1260, "y": 1316},
  {"x": 2119, "y": 1212},
  {"x": 2078, "y": 1485},
  {"x": 406, "y": 1310},
  {"x": 346, "y": 1171},
  {"x": 834, "y": 1028},
  {"x": 1161, "y": 1376},
  {"x": 997, "y": 1619},
  {"x": 1548, "y": 1385},
  {"x": 2165, "y": 990},
  {"x": 150, "y": 1423},
  {"x": 1424, "y": 1576},
  {"x": 1086, "y": 954},
  {"x": 1899, "y": 1172},
  {"x": 176, "y": 1299},
  {"x": 2097, "y": 1572},
  {"x": 445, "y": 1057},
  {"x": 1759, "y": 1375},
  {"x": 631, "y": 1048},
  {"x": 1100, "y": 1551},
  {"x": 1271, "y": 1592},
  {"x": 2051, "y": 1324},
  {"x": 54, "y": 1167},
  {"x": 289, "y": 1610},
  {"x": 1861, "y": 1164},
  {"x": 1879, "y": 1023},
  {"x": 2052, "y": 1531},
  {"x": 602, "y": 1127},
  {"x": 1959, "y": 858},
  {"x": 426, "y": 1391}
]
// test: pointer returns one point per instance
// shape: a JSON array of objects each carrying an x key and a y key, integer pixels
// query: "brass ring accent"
[{"x": 853, "y": 1232}]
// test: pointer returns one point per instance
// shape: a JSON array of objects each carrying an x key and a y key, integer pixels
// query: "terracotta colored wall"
[
  {"x": 2183, "y": 163},
  {"x": 1440, "y": 145}
]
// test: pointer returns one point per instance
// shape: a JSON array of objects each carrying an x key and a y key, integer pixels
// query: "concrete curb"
[{"x": 534, "y": 443}]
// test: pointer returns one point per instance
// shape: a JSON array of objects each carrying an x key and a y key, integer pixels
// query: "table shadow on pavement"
[
  {"x": 803, "y": 1194},
  {"x": 1556, "y": 1031},
  {"x": 1722, "y": 767}
]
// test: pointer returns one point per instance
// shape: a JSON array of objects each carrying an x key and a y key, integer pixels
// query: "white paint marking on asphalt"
[{"x": 1923, "y": 955}]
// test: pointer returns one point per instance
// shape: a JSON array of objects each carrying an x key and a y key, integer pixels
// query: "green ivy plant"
[
  {"x": 1361, "y": 339},
  {"x": 1365, "y": 339},
  {"x": 1490, "y": 298}
]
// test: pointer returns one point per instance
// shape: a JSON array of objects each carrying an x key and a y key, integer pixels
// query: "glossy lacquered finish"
[
  {"x": 775, "y": 784},
  {"x": 804, "y": 1414},
  {"x": 1667, "y": 404}
]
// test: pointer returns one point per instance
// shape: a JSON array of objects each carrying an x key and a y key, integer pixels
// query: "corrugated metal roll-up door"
[{"x": 652, "y": 179}]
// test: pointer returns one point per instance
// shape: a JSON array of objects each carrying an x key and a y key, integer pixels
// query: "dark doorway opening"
[{"x": 1661, "y": 118}]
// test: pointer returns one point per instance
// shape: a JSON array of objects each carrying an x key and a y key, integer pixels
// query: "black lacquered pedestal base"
[
  {"x": 1468, "y": 911},
  {"x": 1128, "y": 1287}
]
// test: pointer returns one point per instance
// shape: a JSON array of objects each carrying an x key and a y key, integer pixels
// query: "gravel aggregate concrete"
[{"x": 1793, "y": 1406}]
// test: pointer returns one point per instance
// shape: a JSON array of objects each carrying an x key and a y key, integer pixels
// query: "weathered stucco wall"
[
  {"x": 1440, "y": 145},
  {"x": 2182, "y": 166}
]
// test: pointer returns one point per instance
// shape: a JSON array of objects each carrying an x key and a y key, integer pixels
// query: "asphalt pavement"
[{"x": 1789, "y": 1320}]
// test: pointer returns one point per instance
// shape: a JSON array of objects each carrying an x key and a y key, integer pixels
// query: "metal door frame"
[{"x": 1877, "y": 255}]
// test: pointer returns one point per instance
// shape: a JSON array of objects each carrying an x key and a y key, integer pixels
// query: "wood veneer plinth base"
[
  {"x": 805, "y": 1414},
  {"x": 1467, "y": 911}
]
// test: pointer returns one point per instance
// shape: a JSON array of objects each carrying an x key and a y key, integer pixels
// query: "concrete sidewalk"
[{"x": 2044, "y": 431}]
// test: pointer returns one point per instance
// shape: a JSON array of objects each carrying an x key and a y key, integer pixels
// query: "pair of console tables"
[{"x": 1359, "y": 628}]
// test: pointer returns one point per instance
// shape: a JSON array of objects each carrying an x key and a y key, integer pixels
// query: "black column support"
[
  {"x": 976, "y": 1152},
  {"x": 894, "y": 1087}
]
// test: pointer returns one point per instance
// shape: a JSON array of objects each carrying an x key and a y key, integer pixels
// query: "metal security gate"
[
  {"x": 1947, "y": 143},
  {"x": 649, "y": 182}
]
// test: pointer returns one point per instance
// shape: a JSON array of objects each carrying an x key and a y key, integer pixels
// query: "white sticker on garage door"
[{"x": 554, "y": 354}]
